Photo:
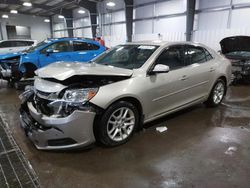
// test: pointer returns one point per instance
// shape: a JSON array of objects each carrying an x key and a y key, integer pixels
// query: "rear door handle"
[{"x": 184, "y": 77}]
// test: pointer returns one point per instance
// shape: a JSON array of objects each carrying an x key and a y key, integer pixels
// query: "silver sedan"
[{"x": 75, "y": 104}]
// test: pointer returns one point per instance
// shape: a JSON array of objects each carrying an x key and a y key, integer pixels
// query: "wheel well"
[
  {"x": 135, "y": 102},
  {"x": 132, "y": 100},
  {"x": 30, "y": 65},
  {"x": 29, "y": 70},
  {"x": 25, "y": 66},
  {"x": 138, "y": 105},
  {"x": 224, "y": 79}
]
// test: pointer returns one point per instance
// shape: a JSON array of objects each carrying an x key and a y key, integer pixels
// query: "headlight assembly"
[
  {"x": 79, "y": 95},
  {"x": 29, "y": 91}
]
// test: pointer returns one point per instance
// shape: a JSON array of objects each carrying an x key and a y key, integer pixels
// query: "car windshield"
[
  {"x": 33, "y": 48},
  {"x": 127, "y": 56}
]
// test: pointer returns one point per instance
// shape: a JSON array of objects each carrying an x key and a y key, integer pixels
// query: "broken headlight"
[
  {"x": 29, "y": 91},
  {"x": 79, "y": 95}
]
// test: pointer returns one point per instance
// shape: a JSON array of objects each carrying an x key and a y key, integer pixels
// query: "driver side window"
[
  {"x": 172, "y": 57},
  {"x": 62, "y": 46}
]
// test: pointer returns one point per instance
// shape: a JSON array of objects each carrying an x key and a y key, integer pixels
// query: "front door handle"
[
  {"x": 212, "y": 69},
  {"x": 184, "y": 77}
]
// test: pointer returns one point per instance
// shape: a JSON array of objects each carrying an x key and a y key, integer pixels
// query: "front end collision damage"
[
  {"x": 241, "y": 69},
  {"x": 9, "y": 68},
  {"x": 52, "y": 122},
  {"x": 237, "y": 50}
]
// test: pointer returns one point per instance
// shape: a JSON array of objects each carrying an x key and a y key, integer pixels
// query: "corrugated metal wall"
[
  {"x": 113, "y": 28},
  {"x": 209, "y": 27},
  {"x": 169, "y": 28},
  {"x": 59, "y": 30},
  {"x": 82, "y": 27},
  {"x": 212, "y": 38},
  {"x": 212, "y": 27}
]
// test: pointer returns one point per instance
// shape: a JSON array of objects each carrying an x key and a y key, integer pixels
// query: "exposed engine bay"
[
  {"x": 9, "y": 68},
  {"x": 237, "y": 50},
  {"x": 241, "y": 70},
  {"x": 74, "y": 94}
]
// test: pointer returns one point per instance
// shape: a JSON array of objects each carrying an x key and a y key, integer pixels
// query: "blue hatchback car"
[{"x": 47, "y": 52}]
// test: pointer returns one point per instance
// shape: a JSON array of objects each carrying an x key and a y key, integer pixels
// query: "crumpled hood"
[
  {"x": 63, "y": 70},
  {"x": 9, "y": 55},
  {"x": 235, "y": 44}
]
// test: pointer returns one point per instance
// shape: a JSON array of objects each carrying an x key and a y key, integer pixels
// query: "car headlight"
[
  {"x": 79, "y": 95},
  {"x": 29, "y": 91}
]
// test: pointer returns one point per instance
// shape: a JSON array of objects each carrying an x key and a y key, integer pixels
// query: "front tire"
[
  {"x": 118, "y": 124},
  {"x": 217, "y": 94}
]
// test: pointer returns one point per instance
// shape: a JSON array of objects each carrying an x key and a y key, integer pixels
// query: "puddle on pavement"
[{"x": 235, "y": 110}]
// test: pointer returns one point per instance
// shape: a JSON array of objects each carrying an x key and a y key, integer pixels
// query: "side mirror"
[
  {"x": 49, "y": 51},
  {"x": 160, "y": 68}
]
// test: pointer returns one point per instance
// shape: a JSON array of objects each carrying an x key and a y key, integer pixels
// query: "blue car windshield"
[
  {"x": 33, "y": 48},
  {"x": 127, "y": 56}
]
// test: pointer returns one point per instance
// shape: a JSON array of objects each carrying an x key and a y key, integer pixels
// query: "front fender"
[
  {"x": 110, "y": 93},
  {"x": 28, "y": 59}
]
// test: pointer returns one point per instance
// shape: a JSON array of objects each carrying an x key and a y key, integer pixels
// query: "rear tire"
[
  {"x": 217, "y": 93},
  {"x": 118, "y": 124}
]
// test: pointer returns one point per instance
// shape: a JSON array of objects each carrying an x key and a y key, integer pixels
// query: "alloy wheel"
[
  {"x": 121, "y": 124},
  {"x": 218, "y": 93}
]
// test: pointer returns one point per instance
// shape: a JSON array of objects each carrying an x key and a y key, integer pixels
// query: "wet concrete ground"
[{"x": 201, "y": 148}]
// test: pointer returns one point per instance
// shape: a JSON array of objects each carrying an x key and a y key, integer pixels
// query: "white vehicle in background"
[{"x": 15, "y": 45}]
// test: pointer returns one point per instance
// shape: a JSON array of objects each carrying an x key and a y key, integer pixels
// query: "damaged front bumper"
[
  {"x": 241, "y": 70},
  {"x": 55, "y": 133}
]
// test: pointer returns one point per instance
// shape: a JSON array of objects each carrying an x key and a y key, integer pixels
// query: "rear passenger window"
[
  {"x": 80, "y": 46},
  {"x": 94, "y": 47},
  {"x": 84, "y": 46},
  {"x": 172, "y": 57},
  {"x": 195, "y": 55}
]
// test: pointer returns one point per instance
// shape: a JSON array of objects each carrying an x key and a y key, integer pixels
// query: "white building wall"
[
  {"x": 60, "y": 29},
  {"x": 157, "y": 18},
  {"x": 112, "y": 24},
  {"x": 212, "y": 27},
  {"x": 82, "y": 24},
  {"x": 170, "y": 28},
  {"x": 38, "y": 28},
  {"x": 203, "y": 4}
]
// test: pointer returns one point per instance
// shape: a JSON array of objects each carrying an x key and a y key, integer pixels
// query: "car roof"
[
  {"x": 70, "y": 38},
  {"x": 73, "y": 39},
  {"x": 162, "y": 43},
  {"x": 30, "y": 40}
]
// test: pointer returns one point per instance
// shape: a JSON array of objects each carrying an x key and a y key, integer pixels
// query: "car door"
[
  {"x": 84, "y": 51},
  {"x": 201, "y": 70},
  {"x": 168, "y": 91},
  {"x": 58, "y": 51}
]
